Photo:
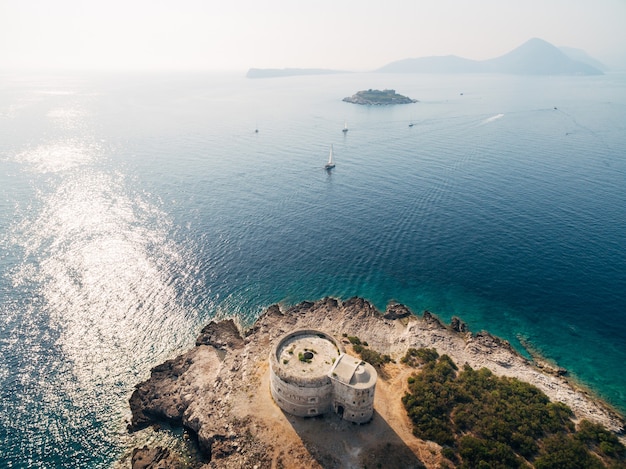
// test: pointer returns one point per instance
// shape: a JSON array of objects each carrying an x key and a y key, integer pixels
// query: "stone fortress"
[{"x": 310, "y": 374}]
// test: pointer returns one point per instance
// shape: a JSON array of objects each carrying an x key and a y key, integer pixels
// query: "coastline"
[{"x": 219, "y": 389}]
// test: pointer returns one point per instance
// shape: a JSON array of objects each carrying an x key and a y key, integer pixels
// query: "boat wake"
[{"x": 491, "y": 119}]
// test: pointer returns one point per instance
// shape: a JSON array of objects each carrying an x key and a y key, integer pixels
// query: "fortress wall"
[
  {"x": 303, "y": 382},
  {"x": 307, "y": 392},
  {"x": 306, "y": 395},
  {"x": 357, "y": 403},
  {"x": 299, "y": 400}
]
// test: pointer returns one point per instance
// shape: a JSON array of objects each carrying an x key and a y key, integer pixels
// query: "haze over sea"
[{"x": 136, "y": 208}]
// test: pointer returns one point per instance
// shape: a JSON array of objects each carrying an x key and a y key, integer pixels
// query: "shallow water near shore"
[{"x": 136, "y": 208}]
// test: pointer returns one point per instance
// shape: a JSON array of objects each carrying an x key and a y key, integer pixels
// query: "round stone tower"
[
  {"x": 310, "y": 374},
  {"x": 299, "y": 366}
]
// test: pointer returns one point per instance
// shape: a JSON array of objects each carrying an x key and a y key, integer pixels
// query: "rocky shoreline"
[{"x": 218, "y": 390}]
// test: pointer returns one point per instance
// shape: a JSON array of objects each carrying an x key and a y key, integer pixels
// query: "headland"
[
  {"x": 220, "y": 390},
  {"x": 289, "y": 72}
]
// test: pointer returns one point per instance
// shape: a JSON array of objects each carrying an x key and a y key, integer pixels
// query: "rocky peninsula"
[
  {"x": 219, "y": 391},
  {"x": 378, "y": 98}
]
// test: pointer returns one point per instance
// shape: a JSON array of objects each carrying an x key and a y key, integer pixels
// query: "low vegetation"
[
  {"x": 372, "y": 357},
  {"x": 485, "y": 421},
  {"x": 415, "y": 357}
]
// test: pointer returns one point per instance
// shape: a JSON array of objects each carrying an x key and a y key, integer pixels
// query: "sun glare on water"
[{"x": 100, "y": 261}]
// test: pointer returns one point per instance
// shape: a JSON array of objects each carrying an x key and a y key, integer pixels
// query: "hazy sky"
[{"x": 342, "y": 34}]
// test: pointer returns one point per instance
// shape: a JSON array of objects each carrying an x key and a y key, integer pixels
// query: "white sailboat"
[
  {"x": 331, "y": 163},
  {"x": 345, "y": 127}
]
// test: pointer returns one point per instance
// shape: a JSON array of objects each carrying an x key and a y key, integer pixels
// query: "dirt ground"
[{"x": 329, "y": 442}]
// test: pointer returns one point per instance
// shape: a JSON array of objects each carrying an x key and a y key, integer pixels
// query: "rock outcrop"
[
  {"x": 457, "y": 325},
  {"x": 219, "y": 389},
  {"x": 155, "y": 458}
]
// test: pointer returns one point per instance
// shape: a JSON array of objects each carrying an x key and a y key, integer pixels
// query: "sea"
[{"x": 136, "y": 207}]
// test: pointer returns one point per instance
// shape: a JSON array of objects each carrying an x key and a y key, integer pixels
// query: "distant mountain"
[
  {"x": 287, "y": 72},
  {"x": 436, "y": 64},
  {"x": 534, "y": 57},
  {"x": 581, "y": 56},
  {"x": 538, "y": 57}
]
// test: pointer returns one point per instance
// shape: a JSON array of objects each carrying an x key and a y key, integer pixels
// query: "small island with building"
[{"x": 378, "y": 98}]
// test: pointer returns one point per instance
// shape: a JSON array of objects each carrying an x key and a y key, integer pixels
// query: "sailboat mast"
[{"x": 330, "y": 165}]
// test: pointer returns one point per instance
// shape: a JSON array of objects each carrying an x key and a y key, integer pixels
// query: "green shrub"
[
  {"x": 415, "y": 357},
  {"x": 373, "y": 357},
  {"x": 564, "y": 452},
  {"x": 597, "y": 438},
  {"x": 449, "y": 453},
  {"x": 302, "y": 358},
  {"x": 498, "y": 422},
  {"x": 354, "y": 340},
  {"x": 479, "y": 453}
]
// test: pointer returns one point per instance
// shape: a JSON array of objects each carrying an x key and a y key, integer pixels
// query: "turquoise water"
[{"x": 135, "y": 208}]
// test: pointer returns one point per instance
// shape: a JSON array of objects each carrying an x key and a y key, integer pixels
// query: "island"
[
  {"x": 378, "y": 98},
  {"x": 296, "y": 389},
  {"x": 289, "y": 72}
]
